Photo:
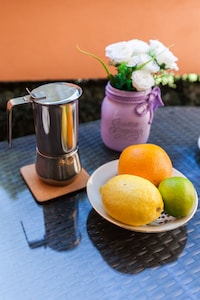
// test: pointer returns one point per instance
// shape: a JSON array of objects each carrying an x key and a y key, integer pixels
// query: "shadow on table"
[{"x": 130, "y": 252}]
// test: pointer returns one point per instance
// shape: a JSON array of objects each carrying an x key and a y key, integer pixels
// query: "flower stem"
[{"x": 96, "y": 57}]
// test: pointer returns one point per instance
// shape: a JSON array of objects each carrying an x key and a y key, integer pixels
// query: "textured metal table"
[{"x": 108, "y": 262}]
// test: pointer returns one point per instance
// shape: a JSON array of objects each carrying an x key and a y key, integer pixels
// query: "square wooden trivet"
[{"x": 44, "y": 192}]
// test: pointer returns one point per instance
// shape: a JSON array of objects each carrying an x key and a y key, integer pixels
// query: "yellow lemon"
[
  {"x": 131, "y": 199},
  {"x": 179, "y": 196}
]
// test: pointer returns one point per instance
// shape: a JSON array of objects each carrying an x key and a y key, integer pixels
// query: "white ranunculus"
[
  {"x": 168, "y": 59},
  {"x": 163, "y": 55},
  {"x": 142, "y": 80},
  {"x": 138, "y": 46},
  {"x": 118, "y": 52},
  {"x": 138, "y": 60}
]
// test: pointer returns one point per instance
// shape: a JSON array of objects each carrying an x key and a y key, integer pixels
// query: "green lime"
[{"x": 179, "y": 196}]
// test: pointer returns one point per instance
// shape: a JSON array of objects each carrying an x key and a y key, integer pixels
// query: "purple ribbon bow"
[{"x": 151, "y": 103}]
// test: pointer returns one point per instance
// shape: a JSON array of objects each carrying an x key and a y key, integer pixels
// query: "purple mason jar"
[{"x": 126, "y": 116}]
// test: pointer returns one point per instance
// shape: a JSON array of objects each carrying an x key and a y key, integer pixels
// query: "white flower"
[
  {"x": 163, "y": 55},
  {"x": 139, "y": 60},
  {"x": 138, "y": 46},
  {"x": 142, "y": 80},
  {"x": 118, "y": 52}
]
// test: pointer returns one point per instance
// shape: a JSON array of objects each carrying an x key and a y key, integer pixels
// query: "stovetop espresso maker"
[{"x": 55, "y": 109}]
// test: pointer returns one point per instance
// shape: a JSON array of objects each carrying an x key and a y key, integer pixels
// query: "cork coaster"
[{"x": 44, "y": 192}]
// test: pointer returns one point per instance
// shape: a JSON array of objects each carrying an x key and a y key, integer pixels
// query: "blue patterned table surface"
[{"x": 108, "y": 262}]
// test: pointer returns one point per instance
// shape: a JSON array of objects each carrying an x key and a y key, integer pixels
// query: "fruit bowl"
[{"x": 163, "y": 223}]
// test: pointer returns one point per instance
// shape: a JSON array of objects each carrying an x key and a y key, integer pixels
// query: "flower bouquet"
[{"x": 139, "y": 65}]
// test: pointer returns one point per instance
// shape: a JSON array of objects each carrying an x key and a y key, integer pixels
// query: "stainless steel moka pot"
[{"x": 55, "y": 109}]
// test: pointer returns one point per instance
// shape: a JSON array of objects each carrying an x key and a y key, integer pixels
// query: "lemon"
[
  {"x": 131, "y": 199},
  {"x": 179, "y": 196}
]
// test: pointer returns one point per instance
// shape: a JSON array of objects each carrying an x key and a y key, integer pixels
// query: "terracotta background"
[{"x": 38, "y": 38}]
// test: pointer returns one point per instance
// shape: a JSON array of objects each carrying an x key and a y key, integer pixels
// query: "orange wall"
[{"x": 38, "y": 38}]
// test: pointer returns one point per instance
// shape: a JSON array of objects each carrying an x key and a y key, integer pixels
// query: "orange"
[{"x": 149, "y": 161}]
